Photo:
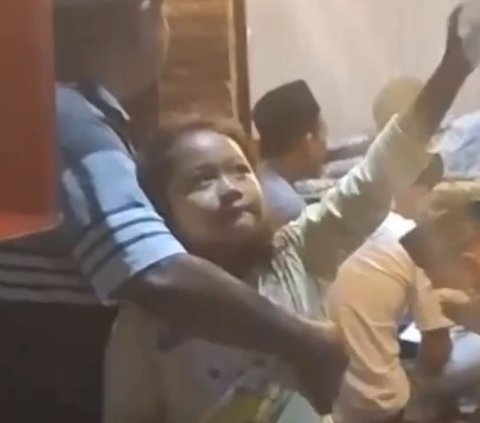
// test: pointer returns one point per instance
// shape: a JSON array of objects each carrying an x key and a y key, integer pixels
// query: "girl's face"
[{"x": 213, "y": 193}]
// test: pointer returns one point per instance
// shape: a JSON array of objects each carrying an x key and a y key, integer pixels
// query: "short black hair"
[
  {"x": 283, "y": 115},
  {"x": 154, "y": 163},
  {"x": 433, "y": 173}
]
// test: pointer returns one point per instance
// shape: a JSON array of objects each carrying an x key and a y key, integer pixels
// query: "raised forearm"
[{"x": 426, "y": 113}]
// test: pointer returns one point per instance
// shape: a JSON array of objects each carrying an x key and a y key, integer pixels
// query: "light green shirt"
[{"x": 201, "y": 382}]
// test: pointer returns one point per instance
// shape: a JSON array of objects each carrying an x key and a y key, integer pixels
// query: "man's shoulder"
[
  {"x": 74, "y": 114},
  {"x": 68, "y": 97},
  {"x": 283, "y": 202},
  {"x": 276, "y": 187},
  {"x": 82, "y": 128}
]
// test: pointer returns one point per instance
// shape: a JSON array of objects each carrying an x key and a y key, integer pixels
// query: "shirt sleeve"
[
  {"x": 114, "y": 229},
  {"x": 350, "y": 211},
  {"x": 426, "y": 309}
]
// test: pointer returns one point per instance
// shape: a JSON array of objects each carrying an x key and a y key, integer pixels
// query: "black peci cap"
[{"x": 283, "y": 114}]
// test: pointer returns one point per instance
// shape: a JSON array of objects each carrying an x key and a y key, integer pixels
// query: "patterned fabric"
[
  {"x": 110, "y": 230},
  {"x": 197, "y": 381}
]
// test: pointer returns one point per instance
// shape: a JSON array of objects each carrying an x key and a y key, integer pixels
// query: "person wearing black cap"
[{"x": 292, "y": 146}]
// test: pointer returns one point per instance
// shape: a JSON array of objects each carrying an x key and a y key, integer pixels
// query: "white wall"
[{"x": 347, "y": 50}]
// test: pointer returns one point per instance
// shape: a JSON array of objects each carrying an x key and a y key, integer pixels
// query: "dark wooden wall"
[{"x": 202, "y": 66}]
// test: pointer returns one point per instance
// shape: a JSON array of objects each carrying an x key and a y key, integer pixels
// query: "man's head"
[
  {"x": 290, "y": 125},
  {"x": 117, "y": 43},
  {"x": 414, "y": 201},
  {"x": 394, "y": 98}
]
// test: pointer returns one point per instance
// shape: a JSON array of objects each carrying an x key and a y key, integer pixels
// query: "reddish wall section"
[{"x": 27, "y": 136}]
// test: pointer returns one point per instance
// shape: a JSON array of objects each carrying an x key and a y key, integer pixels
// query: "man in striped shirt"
[{"x": 112, "y": 245}]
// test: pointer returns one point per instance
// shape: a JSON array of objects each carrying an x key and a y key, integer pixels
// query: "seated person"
[
  {"x": 445, "y": 246},
  {"x": 439, "y": 396},
  {"x": 375, "y": 287},
  {"x": 292, "y": 146}
]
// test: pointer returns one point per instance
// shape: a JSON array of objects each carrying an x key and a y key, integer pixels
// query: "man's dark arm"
[{"x": 206, "y": 302}]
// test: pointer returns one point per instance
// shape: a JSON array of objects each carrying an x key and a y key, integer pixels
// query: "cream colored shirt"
[
  {"x": 148, "y": 373},
  {"x": 374, "y": 288}
]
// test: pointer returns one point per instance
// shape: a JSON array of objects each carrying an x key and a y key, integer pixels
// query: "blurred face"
[
  {"x": 314, "y": 150},
  {"x": 213, "y": 193},
  {"x": 121, "y": 42}
]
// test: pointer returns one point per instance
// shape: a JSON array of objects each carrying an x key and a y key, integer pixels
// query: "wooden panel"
[
  {"x": 239, "y": 63},
  {"x": 197, "y": 76},
  {"x": 198, "y": 58},
  {"x": 207, "y": 99}
]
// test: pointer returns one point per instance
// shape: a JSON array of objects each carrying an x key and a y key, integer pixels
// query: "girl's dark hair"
[{"x": 156, "y": 156}]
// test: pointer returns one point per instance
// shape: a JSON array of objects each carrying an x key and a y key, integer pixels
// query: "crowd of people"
[{"x": 190, "y": 282}]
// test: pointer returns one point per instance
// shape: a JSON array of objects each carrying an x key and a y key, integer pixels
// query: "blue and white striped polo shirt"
[{"x": 110, "y": 230}]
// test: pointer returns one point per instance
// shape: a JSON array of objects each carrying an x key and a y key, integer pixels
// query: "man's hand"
[
  {"x": 455, "y": 56},
  {"x": 423, "y": 117},
  {"x": 320, "y": 364}
]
